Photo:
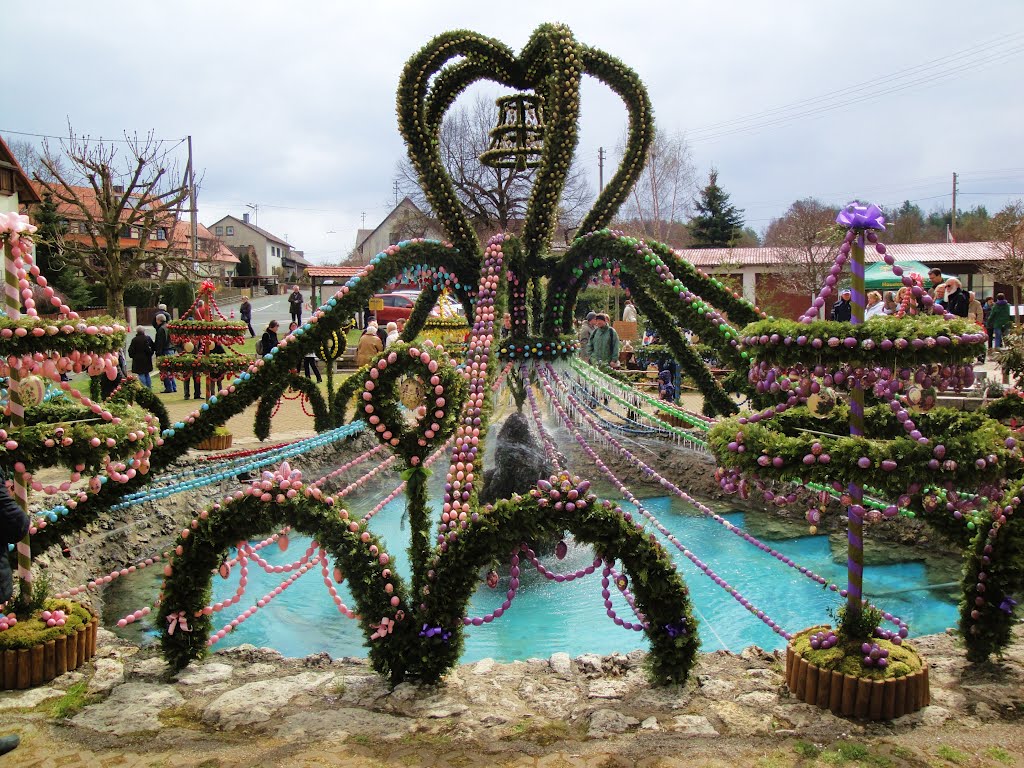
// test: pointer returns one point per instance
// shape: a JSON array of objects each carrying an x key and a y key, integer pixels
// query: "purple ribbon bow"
[
  {"x": 857, "y": 216},
  {"x": 1008, "y": 605}
]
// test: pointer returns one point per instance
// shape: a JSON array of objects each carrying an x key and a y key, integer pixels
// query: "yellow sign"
[{"x": 376, "y": 304}]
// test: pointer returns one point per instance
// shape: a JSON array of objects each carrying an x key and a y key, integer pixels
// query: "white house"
[{"x": 271, "y": 250}]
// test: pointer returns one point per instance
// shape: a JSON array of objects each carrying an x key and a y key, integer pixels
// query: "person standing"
[
  {"x": 986, "y": 308},
  {"x": 141, "y": 353},
  {"x": 269, "y": 338},
  {"x": 245, "y": 312},
  {"x": 369, "y": 346},
  {"x": 842, "y": 310},
  {"x": 889, "y": 303},
  {"x": 14, "y": 525},
  {"x": 974, "y": 309},
  {"x": 629, "y": 312},
  {"x": 874, "y": 306},
  {"x": 935, "y": 279},
  {"x": 586, "y": 329},
  {"x": 295, "y": 305},
  {"x": 956, "y": 300},
  {"x": 162, "y": 348},
  {"x": 506, "y": 326},
  {"x": 998, "y": 320},
  {"x": 392, "y": 335},
  {"x": 161, "y": 311},
  {"x": 604, "y": 343},
  {"x": 309, "y": 364}
]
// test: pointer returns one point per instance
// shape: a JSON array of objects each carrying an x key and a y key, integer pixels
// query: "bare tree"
[
  {"x": 659, "y": 204},
  {"x": 808, "y": 239},
  {"x": 120, "y": 201},
  {"x": 28, "y": 158},
  {"x": 1008, "y": 236},
  {"x": 493, "y": 199}
]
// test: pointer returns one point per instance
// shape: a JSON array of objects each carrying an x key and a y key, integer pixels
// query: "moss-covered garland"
[
  {"x": 131, "y": 391},
  {"x": 265, "y": 410},
  {"x": 993, "y": 578},
  {"x": 405, "y": 654},
  {"x": 60, "y": 336},
  {"x": 59, "y": 421},
  {"x": 790, "y": 437},
  {"x": 882, "y": 341}
]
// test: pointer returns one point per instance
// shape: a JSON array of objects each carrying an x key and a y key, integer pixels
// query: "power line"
[
  {"x": 819, "y": 105},
  {"x": 84, "y": 137}
]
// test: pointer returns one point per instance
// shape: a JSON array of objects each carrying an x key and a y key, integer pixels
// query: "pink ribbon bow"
[
  {"x": 384, "y": 629},
  {"x": 176, "y": 620}
]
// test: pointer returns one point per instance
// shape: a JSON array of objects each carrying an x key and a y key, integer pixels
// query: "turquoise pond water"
[{"x": 547, "y": 617}]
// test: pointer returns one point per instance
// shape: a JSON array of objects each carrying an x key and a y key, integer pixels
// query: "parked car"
[{"x": 397, "y": 306}]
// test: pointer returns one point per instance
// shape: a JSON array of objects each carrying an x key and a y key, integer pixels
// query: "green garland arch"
[{"x": 322, "y": 420}]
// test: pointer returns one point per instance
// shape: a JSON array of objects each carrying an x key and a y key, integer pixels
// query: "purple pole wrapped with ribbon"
[{"x": 857, "y": 218}]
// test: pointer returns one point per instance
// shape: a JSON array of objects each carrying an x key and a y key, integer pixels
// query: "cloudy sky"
[{"x": 291, "y": 105}]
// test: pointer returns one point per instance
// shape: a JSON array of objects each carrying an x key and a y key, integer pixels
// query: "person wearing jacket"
[
  {"x": 956, "y": 300},
  {"x": 842, "y": 310},
  {"x": 295, "y": 304},
  {"x": 998, "y": 320},
  {"x": 603, "y": 346},
  {"x": 162, "y": 348},
  {"x": 141, "y": 353},
  {"x": 13, "y": 528},
  {"x": 975, "y": 312},
  {"x": 245, "y": 312},
  {"x": 369, "y": 346}
]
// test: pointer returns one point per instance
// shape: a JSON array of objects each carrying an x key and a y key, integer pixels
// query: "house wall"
[
  {"x": 9, "y": 203},
  {"x": 393, "y": 225},
  {"x": 268, "y": 253}
]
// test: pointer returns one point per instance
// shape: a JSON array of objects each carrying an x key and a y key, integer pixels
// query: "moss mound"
[
  {"x": 32, "y": 630},
  {"x": 846, "y": 657}
]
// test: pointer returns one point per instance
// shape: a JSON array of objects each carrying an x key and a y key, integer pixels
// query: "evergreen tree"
[
  {"x": 718, "y": 223},
  {"x": 49, "y": 239}
]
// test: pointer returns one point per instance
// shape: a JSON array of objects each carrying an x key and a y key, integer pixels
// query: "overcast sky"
[{"x": 291, "y": 107}]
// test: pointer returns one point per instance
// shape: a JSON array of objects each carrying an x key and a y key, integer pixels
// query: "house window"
[
  {"x": 161, "y": 233},
  {"x": 230, "y": 231},
  {"x": 6, "y": 181},
  {"x": 126, "y": 232},
  {"x": 82, "y": 228},
  {"x": 218, "y": 231},
  {"x": 392, "y": 238}
]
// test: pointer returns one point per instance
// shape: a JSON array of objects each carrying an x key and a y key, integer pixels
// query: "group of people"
[
  {"x": 948, "y": 292},
  {"x": 599, "y": 342},
  {"x": 376, "y": 339}
]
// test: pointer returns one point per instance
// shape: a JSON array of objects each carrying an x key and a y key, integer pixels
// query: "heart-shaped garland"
[{"x": 381, "y": 405}]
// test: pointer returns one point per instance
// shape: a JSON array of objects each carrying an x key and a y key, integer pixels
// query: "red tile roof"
[
  {"x": 351, "y": 271},
  {"x": 927, "y": 253}
]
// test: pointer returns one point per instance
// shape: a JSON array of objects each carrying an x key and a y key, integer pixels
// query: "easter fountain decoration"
[
  {"x": 957, "y": 468},
  {"x": 414, "y": 630},
  {"x": 107, "y": 443}
]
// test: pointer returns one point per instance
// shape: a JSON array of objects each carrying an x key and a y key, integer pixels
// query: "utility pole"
[
  {"x": 363, "y": 220},
  {"x": 600, "y": 170},
  {"x": 255, "y": 213},
  {"x": 192, "y": 205},
  {"x": 395, "y": 184},
  {"x": 953, "y": 226}
]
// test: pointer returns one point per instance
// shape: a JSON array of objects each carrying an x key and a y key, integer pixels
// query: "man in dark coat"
[
  {"x": 245, "y": 312},
  {"x": 842, "y": 310},
  {"x": 141, "y": 353},
  {"x": 956, "y": 301},
  {"x": 162, "y": 348},
  {"x": 295, "y": 305}
]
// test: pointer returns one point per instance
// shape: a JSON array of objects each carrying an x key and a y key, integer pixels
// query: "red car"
[{"x": 397, "y": 306}]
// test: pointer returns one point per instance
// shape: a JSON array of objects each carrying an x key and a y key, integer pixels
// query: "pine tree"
[
  {"x": 718, "y": 223},
  {"x": 49, "y": 239}
]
